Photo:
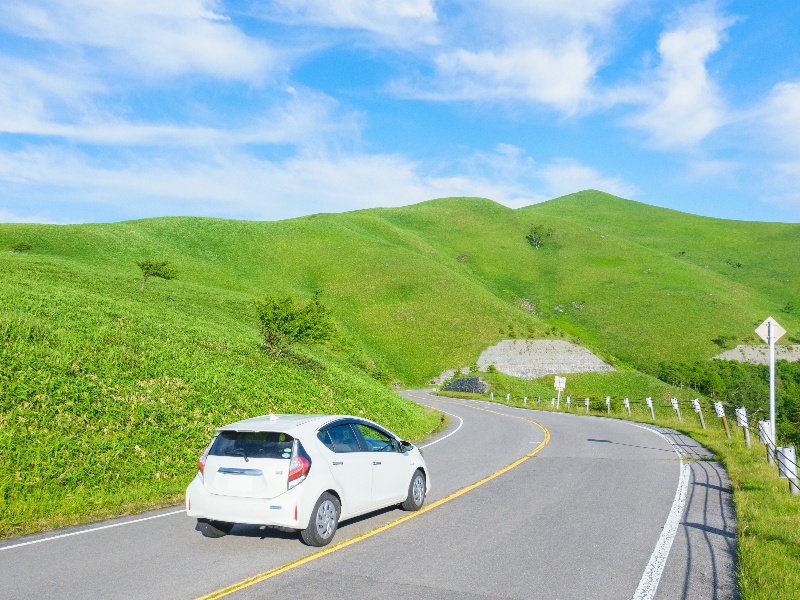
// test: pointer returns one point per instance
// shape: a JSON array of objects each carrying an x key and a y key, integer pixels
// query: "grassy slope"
[{"x": 108, "y": 394}]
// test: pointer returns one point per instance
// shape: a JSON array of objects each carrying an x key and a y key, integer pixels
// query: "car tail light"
[
  {"x": 201, "y": 462},
  {"x": 299, "y": 465}
]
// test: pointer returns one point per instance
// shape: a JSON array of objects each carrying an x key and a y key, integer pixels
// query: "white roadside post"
[
  {"x": 764, "y": 434},
  {"x": 627, "y": 404},
  {"x": 508, "y": 397},
  {"x": 560, "y": 383},
  {"x": 525, "y": 401},
  {"x": 587, "y": 405},
  {"x": 553, "y": 402},
  {"x": 569, "y": 400},
  {"x": 491, "y": 396},
  {"x": 770, "y": 331},
  {"x": 741, "y": 421},
  {"x": 787, "y": 467},
  {"x": 699, "y": 411},
  {"x": 676, "y": 408},
  {"x": 649, "y": 402},
  {"x": 608, "y": 404},
  {"x": 720, "y": 410}
]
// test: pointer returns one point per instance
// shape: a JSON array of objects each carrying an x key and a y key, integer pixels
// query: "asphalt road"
[{"x": 583, "y": 518}]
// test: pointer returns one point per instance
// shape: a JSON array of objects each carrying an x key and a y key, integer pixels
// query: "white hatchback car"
[{"x": 303, "y": 472}]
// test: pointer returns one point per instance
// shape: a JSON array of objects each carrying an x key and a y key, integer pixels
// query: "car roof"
[{"x": 284, "y": 423}]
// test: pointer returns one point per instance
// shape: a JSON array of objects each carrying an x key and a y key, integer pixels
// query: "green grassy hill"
[{"x": 107, "y": 394}]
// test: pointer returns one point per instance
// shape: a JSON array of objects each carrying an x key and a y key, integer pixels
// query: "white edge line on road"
[
  {"x": 460, "y": 423},
  {"x": 64, "y": 535},
  {"x": 658, "y": 560}
]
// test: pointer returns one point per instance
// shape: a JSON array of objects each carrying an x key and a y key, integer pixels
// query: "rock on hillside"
[
  {"x": 759, "y": 355},
  {"x": 530, "y": 359}
]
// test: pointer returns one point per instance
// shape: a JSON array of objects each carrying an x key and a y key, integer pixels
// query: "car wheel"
[
  {"x": 324, "y": 521},
  {"x": 213, "y": 529},
  {"x": 416, "y": 492}
]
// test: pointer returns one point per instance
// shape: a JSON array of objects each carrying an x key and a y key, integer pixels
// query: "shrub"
[
  {"x": 156, "y": 268},
  {"x": 284, "y": 322},
  {"x": 20, "y": 248}
]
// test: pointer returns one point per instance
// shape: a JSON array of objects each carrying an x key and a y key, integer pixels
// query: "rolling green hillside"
[{"x": 107, "y": 394}]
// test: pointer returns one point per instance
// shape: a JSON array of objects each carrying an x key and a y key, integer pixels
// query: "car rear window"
[{"x": 252, "y": 444}]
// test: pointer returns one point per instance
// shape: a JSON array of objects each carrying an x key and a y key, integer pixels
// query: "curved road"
[{"x": 606, "y": 509}]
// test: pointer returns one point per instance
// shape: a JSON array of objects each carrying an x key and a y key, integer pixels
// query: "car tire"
[
  {"x": 416, "y": 492},
  {"x": 324, "y": 521},
  {"x": 213, "y": 529}
]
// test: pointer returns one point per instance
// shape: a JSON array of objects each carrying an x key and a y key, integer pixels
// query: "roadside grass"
[{"x": 767, "y": 514}]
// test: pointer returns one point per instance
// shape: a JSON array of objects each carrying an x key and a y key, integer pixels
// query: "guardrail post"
[
  {"x": 741, "y": 421},
  {"x": 698, "y": 409},
  {"x": 765, "y": 435},
  {"x": 627, "y": 404},
  {"x": 676, "y": 408},
  {"x": 587, "y": 405},
  {"x": 787, "y": 467},
  {"x": 608, "y": 404},
  {"x": 649, "y": 402}
]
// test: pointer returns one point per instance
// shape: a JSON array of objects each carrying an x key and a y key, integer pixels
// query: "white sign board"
[
  {"x": 649, "y": 402},
  {"x": 560, "y": 383},
  {"x": 608, "y": 400},
  {"x": 741, "y": 417},
  {"x": 674, "y": 403},
  {"x": 627, "y": 403},
  {"x": 719, "y": 408},
  {"x": 696, "y": 405},
  {"x": 763, "y": 330}
]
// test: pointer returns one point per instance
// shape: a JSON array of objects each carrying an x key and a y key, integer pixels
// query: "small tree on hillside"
[
  {"x": 156, "y": 268},
  {"x": 20, "y": 248},
  {"x": 537, "y": 235},
  {"x": 284, "y": 322}
]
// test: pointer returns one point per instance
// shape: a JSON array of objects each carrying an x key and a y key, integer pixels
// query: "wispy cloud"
[
  {"x": 150, "y": 38},
  {"x": 681, "y": 103}
]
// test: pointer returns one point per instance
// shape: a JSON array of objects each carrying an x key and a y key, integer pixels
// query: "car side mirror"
[{"x": 405, "y": 446}]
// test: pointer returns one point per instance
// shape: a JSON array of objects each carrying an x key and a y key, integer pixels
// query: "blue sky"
[{"x": 122, "y": 109}]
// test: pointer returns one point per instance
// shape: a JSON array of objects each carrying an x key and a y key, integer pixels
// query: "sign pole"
[
  {"x": 771, "y": 342},
  {"x": 770, "y": 331}
]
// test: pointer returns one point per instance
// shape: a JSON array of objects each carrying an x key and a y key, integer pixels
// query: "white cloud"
[
  {"x": 50, "y": 181},
  {"x": 535, "y": 52},
  {"x": 557, "y": 75},
  {"x": 151, "y": 38},
  {"x": 30, "y": 107},
  {"x": 683, "y": 105},
  {"x": 781, "y": 114},
  {"x": 565, "y": 176},
  {"x": 397, "y": 22}
]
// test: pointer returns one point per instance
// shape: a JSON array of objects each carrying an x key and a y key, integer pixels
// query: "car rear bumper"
[{"x": 281, "y": 511}]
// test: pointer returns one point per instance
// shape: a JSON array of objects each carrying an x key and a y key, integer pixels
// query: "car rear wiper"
[{"x": 238, "y": 452}]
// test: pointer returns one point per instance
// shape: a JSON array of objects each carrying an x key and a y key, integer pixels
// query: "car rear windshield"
[{"x": 252, "y": 444}]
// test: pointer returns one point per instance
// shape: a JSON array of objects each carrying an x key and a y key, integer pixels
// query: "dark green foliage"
[
  {"x": 734, "y": 264},
  {"x": 788, "y": 308},
  {"x": 284, "y": 322},
  {"x": 537, "y": 235},
  {"x": 741, "y": 384},
  {"x": 156, "y": 268},
  {"x": 21, "y": 248}
]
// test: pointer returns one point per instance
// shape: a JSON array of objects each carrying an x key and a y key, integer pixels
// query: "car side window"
[
  {"x": 341, "y": 438},
  {"x": 376, "y": 440}
]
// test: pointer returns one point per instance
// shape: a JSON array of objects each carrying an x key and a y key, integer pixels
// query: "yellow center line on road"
[{"x": 428, "y": 507}]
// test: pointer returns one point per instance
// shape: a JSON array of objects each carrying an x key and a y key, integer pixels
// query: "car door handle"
[
  {"x": 377, "y": 462},
  {"x": 337, "y": 462}
]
